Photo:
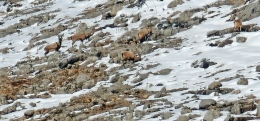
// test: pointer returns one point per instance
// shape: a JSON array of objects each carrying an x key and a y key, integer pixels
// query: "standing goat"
[
  {"x": 81, "y": 37},
  {"x": 127, "y": 55},
  {"x": 237, "y": 25},
  {"x": 143, "y": 34},
  {"x": 54, "y": 46}
]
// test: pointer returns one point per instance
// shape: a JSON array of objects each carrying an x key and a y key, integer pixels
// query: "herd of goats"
[{"x": 126, "y": 55}]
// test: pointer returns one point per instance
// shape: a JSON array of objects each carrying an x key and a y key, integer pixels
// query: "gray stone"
[
  {"x": 258, "y": 110},
  {"x": 3, "y": 99},
  {"x": 32, "y": 104},
  {"x": 81, "y": 117},
  {"x": 174, "y": 3},
  {"x": 241, "y": 39},
  {"x": 129, "y": 116},
  {"x": 205, "y": 103},
  {"x": 242, "y": 81},
  {"x": 163, "y": 90},
  {"x": 236, "y": 109},
  {"x": 228, "y": 118},
  {"x": 29, "y": 113},
  {"x": 214, "y": 85},
  {"x": 185, "y": 110},
  {"x": 136, "y": 18},
  {"x": 192, "y": 116},
  {"x": 212, "y": 33},
  {"x": 211, "y": 115},
  {"x": 81, "y": 28},
  {"x": 139, "y": 114},
  {"x": 168, "y": 32},
  {"x": 166, "y": 115},
  {"x": 82, "y": 78},
  {"x": 257, "y": 68},
  {"x": 89, "y": 84},
  {"x": 236, "y": 91},
  {"x": 183, "y": 118},
  {"x": 146, "y": 106}
]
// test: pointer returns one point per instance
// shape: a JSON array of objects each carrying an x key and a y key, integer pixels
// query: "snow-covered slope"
[{"x": 231, "y": 60}]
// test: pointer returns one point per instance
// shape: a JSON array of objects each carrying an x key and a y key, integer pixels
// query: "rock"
[
  {"x": 82, "y": 78},
  {"x": 236, "y": 91},
  {"x": 258, "y": 110},
  {"x": 158, "y": 95},
  {"x": 146, "y": 106},
  {"x": 139, "y": 114},
  {"x": 241, "y": 39},
  {"x": 82, "y": 27},
  {"x": 8, "y": 110},
  {"x": 204, "y": 63},
  {"x": 250, "y": 96},
  {"x": 163, "y": 90},
  {"x": 164, "y": 71},
  {"x": 242, "y": 81},
  {"x": 228, "y": 118},
  {"x": 32, "y": 104},
  {"x": 174, "y": 3},
  {"x": 257, "y": 68},
  {"x": 168, "y": 32},
  {"x": 214, "y": 85},
  {"x": 236, "y": 109},
  {"x": 29, "y": 113},
  {"x": 192, "y": 116},
  {"x": 183, "y": 118},
  {"x": 81, "y": 117},
  {"x": 166, "y": 115},
  {"x": 136, "y": 18},
  {"x": 185, "y": 110},
  {"x": 205, "y": 103},
  {"x": 3, "y": 99},
  {"x": 24, "y": 69},
  {"x": 213, "y": 33},
  {"x": 89, "y": 84},
  {"x": 71, "y": 60},
  {"x": 211, "y": 115},
  {"x": 129, "y": 116}
]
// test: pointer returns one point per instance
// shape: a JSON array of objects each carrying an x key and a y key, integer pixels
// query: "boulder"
[
  {"x": 242, "y": 81},
  {"x": 214, "y": 85},
  {"x": 211, "y": 115},
  {"x": 205, "y": 103}
]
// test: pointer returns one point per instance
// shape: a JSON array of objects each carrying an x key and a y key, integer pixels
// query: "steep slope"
[{"x": 194, "y": 65}]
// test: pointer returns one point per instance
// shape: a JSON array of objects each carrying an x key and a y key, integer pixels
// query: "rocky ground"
[{"x": 101, "y": 86}]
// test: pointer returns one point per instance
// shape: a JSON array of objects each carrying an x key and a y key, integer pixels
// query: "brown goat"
[
  {"x": 143, "y": 33},
  {"x": 81, "y": 37},
  {"x": 54, "y": 46},
  {"x": 237, "y": 25},
  {"x": 127, "y": 55}
]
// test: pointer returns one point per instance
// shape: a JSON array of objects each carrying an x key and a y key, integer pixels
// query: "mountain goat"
[
  {"x": 237, "y": 25},
  {"x": 54, "y": 46},
  {"x": 82, "y": 36},
  {"x": 143, "y": 34},
  {"x": 128, "y": 55}
]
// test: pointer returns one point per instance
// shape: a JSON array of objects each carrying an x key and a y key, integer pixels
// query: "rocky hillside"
[{"x": 114, "y": 60}]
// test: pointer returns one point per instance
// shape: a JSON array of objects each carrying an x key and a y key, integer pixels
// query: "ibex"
[
  {"x": 81, "y": 37},
  {"x": 54, "y": 46},
  {"x": 143, "y": 33},
  {"x": 128, "y": 55},
  {"x": 237, "y": 25}
]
